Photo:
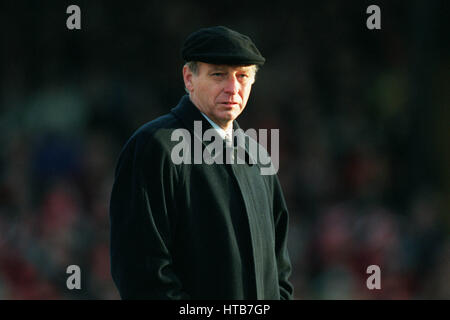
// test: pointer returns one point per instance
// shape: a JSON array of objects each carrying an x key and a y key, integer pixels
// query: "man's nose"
[{"x": 232, "y": 85}]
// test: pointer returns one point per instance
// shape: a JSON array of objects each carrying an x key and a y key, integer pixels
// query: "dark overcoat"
[{"x": 195, "y": 231}]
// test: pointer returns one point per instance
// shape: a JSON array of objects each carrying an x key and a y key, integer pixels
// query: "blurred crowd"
[{"x": 363, "y": 118}]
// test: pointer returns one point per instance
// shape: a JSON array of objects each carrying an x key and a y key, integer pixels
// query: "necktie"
[
  {"x": 228, "y": 141},
  {"x": 229, "y": 149}
]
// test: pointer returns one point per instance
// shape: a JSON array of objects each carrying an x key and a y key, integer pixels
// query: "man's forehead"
[{"x": 211, "y": 66}]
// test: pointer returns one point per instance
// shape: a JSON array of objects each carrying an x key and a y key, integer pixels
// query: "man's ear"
[
  {"x": 255, "y": 70},
  {"x": 187, "y": 77}
]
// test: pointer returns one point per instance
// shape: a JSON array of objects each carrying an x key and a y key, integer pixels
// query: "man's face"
[{"x": 220, "y": 91}]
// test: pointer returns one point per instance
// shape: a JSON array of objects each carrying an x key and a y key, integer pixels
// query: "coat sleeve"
[
  {"x": 281, "y": 239},
  {"x": 141, "y": 218}
]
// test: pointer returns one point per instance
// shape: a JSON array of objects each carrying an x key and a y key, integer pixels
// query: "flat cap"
[{"x": 221, "y": 45}]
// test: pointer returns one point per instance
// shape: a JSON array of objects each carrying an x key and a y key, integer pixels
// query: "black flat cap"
[{"x": 221, "y": 45}]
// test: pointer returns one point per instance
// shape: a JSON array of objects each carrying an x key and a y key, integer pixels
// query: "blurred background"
[{"x": 364, "y": 135}]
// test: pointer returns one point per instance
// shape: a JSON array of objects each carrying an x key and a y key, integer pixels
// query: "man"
[{"x": 199, "y": 231}]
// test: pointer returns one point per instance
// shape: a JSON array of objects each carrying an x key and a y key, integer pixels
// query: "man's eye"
[
  {"x": 243, "y": 76},
  {"x": 217, "y": 74}
]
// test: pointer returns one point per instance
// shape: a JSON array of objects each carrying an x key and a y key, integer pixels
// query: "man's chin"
[{"x": 229, "y": 116}]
